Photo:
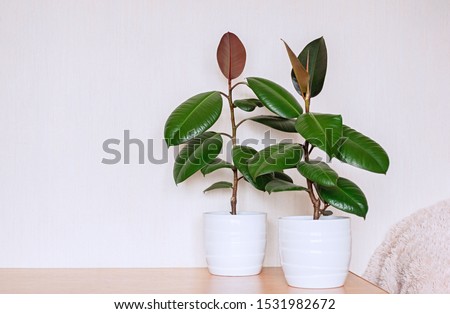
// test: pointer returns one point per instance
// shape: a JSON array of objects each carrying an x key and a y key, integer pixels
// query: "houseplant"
[
  {"x": 315, "y": 251},
  {"x": 234, "y": 240}
]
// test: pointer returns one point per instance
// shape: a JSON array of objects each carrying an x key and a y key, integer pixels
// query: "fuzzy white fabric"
[{"x": 415, "y": 256}]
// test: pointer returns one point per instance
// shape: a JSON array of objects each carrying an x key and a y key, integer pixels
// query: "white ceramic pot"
[
  {"x": 234, "y": 244},
  {"x": 315, "y": 253}
]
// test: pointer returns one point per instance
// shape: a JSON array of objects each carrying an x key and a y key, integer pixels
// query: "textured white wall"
[{"x": 75, "y": 73}]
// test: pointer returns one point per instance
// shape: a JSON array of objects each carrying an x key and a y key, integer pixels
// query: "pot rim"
[
  {"x": 239, "y": 213},
  {"x": 323, "y": 219}
]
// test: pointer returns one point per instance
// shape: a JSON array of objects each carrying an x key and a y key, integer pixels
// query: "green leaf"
[
  {"x": 241, "y": 155},
  {"x": 316, "y": 52},
  {"x": 318, "y": 172},
  {"x": 275, "y": 158},
  {"x": 192, "y": 118},
  {"x": 231, "y": 56},
  {"x": 215, "y": 165},
  {"x": 278, "y": 123},
  {"x": 219, "y": 185},
  {"x": 282, "y": 176},
  {"x": 300, "y": 74},
  {"x": 198, "y": 152},
  {"x": 321, "y": 130},
  {"x": 275, "y": 98},
  {"x": 278, "y": 185},
  {"x": 248, "y": 104},
  {"x": 360, "y": 151},
  {"x": 346, "y": 196}
]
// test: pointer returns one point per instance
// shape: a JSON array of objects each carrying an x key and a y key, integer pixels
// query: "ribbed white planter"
[
  {"x": 234, "y": 244},
  {"x": 315, "y": 253}
]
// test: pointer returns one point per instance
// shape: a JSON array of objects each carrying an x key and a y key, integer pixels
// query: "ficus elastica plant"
[{"x": 189, "y": 125}]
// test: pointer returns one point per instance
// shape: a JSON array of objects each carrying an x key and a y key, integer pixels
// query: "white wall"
[{"x": 75, "y": 73}]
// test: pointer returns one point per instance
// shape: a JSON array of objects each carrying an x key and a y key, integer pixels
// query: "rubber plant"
[
  {"x": 189, "y": 125},
  {"x": 324, "y": 131}
]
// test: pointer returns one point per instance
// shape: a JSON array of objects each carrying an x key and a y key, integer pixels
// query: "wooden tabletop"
[{"x": 158, "y": 280}]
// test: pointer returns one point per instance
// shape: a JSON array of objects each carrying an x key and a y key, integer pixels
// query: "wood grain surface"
[{"x": 158, "y": 280}]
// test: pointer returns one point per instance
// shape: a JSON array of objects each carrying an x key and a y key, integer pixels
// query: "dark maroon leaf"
[{"x": 231, "y": 56}]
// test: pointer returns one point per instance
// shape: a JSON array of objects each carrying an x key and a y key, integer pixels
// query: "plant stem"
[
  {"x": 307, "y": 103},
  {"x": 239, "y": 124},
  {"x": 225, "y": 134},
  {"x": 237, "y": 84},
  {"x": 316, "y": 202},
  {"x": 233, "y": 200}
]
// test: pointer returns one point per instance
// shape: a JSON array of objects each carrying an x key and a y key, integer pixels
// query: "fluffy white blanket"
[{"x": 415, "y": 256}]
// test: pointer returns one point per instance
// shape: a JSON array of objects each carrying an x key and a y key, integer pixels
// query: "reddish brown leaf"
[
  {"x": 231, "y": 56},
  {"x": 301, "y": 74}
]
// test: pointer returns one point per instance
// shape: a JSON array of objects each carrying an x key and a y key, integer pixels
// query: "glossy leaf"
[
  {"x": 248, "y": 104},
  {"x": 318, "y": 172},
  {"x": 299, "y": 72},
  {"x": 275, "y": 97},
  {"x": 278, "y": 185},
  {"x": 198, "y": 153},
  {"x": 346, "y": 196},
  {"x": 241, "y": 155},
  {"x": 215, "y": 165},
  {"x": 192, "y": 118},
  {"x": 277, "y": 123},
  {"x": 275, "y": 158},
  {"x": 231, "y": 56},
  {"x": 219, "y": 185},
  {"x": 321, "y": 130},
  {"x": 282, "y": 176},
  {"x": 315, "y": 53},
  {"x": 360, "y": 151}
]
